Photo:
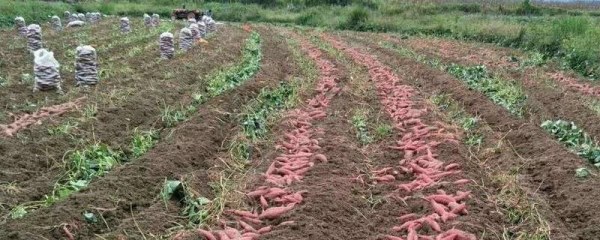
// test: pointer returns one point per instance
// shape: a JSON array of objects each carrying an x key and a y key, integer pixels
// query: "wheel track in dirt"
[
  {"x": 548, "y": 166},
  {"x": 183, "y": 150},
  {"x": 113, "y": 125}
]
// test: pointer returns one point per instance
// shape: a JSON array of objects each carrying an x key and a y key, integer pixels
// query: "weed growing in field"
[
  {"x": 3, "y": 81},
  {"x": 90, "y": 111},
  {"x": 535, "y": 59},
  {"x": 143, "y": 141},
  {"x": 134, "y": 51},
  {"x": 83, "y": 166},
  {"x": 254, "y": 120},
  {"x": 195, "y": 205},
  {"x": 457, "y": 114},
  {"x": 63, "y": 129},
  {"x": 575, "y": 139},
  {"x": 27, "y": 79},
  {"x": 262, "y": 108},
  {"x": 235, "y": 76},
  {"x": 383, "y": 130},
  {"x": 594, "y": 105},
  {"x": 359, "y": 120},
  {"x": 505, "y": 93},
  {"x": 171, "y": 116}
]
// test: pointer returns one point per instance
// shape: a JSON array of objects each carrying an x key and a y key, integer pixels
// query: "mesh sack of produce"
[
  {"x": 76, "y": 23},
  {"x": 195, "y": 31},
  {"x": 125, "y": 28},
  {"x": 56, "y": 24},
  {"x": 73, "y": 17},
  {"x": 202, "y": 29},
  {"x": 211, "y": 26},
  {"x": 147, "y": 20},
  {"x": 20, "y": 25},
  {"x": 67, "y": 16},
  {"x": 94, "y": 17},
  {"x": 86, "y": 66},
  {"x": 46, "y": 71},
  {"x": 34, "y": 37},
  {"x": 166, "y": 45},
  {"x": 186, "y": 39},
  {"x": 155, "y": 20}
]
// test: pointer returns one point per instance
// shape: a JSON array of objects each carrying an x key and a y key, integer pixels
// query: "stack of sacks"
[
  {"x": 21, "y": 27},
  {"x": 46, "y": 71},
  {"x": 34, "y": 37},
  {"x": 165, "y": 44},
  {"x": 86, "y": 66},
  {"x": 186, "y": 39}
]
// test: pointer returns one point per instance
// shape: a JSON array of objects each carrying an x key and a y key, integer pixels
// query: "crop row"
[
  {"x": 95, "y": 161},
  {"x": 512, "y": 97},
  {"x": 575, "y": 139},
  {"x": 221, "y": 81},
  {"x": 299, "y": 148},
  {"x": 418, "y": 143},
  {"x": 505, "y": 93}
]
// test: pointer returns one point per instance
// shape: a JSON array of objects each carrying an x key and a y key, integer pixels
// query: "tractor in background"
[{"x": 183, "y": 13}]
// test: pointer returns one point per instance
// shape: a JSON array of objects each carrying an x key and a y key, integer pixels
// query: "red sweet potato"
[
  {"x": 274, "y": 212},
  {"x": 206, "y": 234},
  {"x": 264, "y": 229}
]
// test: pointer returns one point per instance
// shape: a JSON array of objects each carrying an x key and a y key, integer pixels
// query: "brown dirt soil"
[
  {"x": 275, "y": 67},
  {"x": 335, "y": 206},
  {"x": 111, "y": 50},
  {"x": 478, "y": 220},
  {"x": 34, "y": 161},
  {"x": 128, "y": 196},
  {"x": 548, "y": 168},
  {"x": 544, "y": 102},
  {"x": 21, "y": 61}
]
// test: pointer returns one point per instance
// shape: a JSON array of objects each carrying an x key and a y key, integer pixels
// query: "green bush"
[
  {"x": 356, "y": 20},
  {"x": 310, "y": 18}
]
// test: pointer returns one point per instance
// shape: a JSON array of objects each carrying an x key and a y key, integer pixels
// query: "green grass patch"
[
  {"x": 575, "y": 139},
  {"x": 83, "y": 166},
  {"x": 195, "y": 206},
  {"x": 457, "y": 114},
  {"x": 236, "y": 75},
  {"x": 143, "y": 141},
  {"x": 264, "y": 106},
  {"x": 219, "y": 82},
  {"x": 502, "y": 92},
  {"x": 505, "y": 93},
  {"x": 359, "y": 121}
]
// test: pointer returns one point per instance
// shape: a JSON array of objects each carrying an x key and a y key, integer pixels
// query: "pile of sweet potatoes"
[
  {"x": 299, "y": 146},
  {"x": 418, "y": 143},
  {"x": 26, "y": 120}
]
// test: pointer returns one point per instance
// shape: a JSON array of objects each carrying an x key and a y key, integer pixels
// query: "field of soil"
[{"x": 266, "y": 132}]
